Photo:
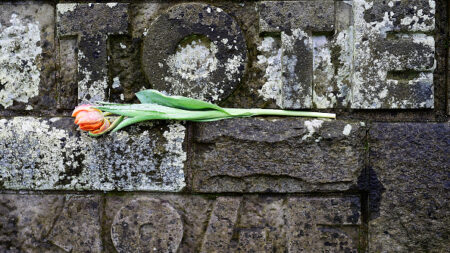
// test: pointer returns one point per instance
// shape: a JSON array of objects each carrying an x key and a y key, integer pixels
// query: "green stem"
[{"x": 275, "y": 112}]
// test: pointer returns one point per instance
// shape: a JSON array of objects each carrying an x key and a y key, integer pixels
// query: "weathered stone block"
[
  {"x": 194, "y": 50},
  {"x": 277, "y": 155},
  {"x": 392, "y": 66},
  {"x": 410, "y": 208},
  {"x": 26, "y": 221},
  {"x": 91, "y": 24},
  {"x": 27, "y": 59},
  {"x": 50, "y": 154}
]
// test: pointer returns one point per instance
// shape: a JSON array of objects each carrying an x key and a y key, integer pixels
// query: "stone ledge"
[
  {"x": 178, "y": 223},
  {"x": 277, "y": 155},
  {"x": 51, "y": 154}
]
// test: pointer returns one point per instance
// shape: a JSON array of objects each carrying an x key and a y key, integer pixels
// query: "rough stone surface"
[
  {"x": 248, "y": 223},
  {"x": 77, "y": 228},
  {"x": 26, "y": 221},
  {"x": 393, "y": 57},
  {"x": 27, "y": 60},
  {"x": 295, "y": 21},
  {"x": 194, "y": 212},
  {"x": 323, "y": 224},
  {"x": 277, "y": 155},
  {"x": 49, "y": 154},
  {"x": 410, "y": 211},
  {"x": 154, "y": 226},
  {"x": 92, "y": 24},
  {"x": 194, "y": 50},
  {"x": 68, "y": 82},
  {"x": 267, "y": 184},
  {"x": 221, "y": 224}
]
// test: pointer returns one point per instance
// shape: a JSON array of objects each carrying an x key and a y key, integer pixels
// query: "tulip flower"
[
  {"x": 91, "y": 119},
  {"x": 157, "y": 106}
]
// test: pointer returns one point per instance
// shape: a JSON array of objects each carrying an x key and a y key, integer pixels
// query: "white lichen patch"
[
  {"x": 232, "y": 66},
  {"x": 344, "y": 41},
  {"x": 19, "y": 60},
  {"x": 289, "y": 41},
  {"x": 278, "y": 61},
  {"x": 270, "y": 61},
  {"x": 191, "y": 70},
  {"x": 116, "y": 82},
  {"x": 312, "y": 126},
  {"x": 63, "y": 8},
  {"x": 111, "y": 5},
  {"x": 347, "y": 129},
  {"x": 420, "y": 21},
  {"x": 36, "y": 156},
  {"x": 194, "y": 61},
  {"x": 175, "y": 138}
]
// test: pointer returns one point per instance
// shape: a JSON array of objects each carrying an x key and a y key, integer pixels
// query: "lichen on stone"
[
  {"x": 36, "y": 155},
  {"x": 20, "y": 52}
]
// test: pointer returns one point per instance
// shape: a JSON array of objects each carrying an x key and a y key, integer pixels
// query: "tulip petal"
[
  {"x": 91, "y": 126},
  {"x": 80, "y": 108},
  {"x": 103, "y": 128}
]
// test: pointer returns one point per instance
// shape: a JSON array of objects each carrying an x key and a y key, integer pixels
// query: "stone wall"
[{"x": 376, "y": 179}]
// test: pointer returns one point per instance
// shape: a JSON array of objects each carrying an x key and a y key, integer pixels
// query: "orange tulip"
[{"x": 90, "y": 119}]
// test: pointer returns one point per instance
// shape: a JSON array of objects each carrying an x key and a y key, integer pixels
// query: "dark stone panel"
[{"x": 411, "y": 161}]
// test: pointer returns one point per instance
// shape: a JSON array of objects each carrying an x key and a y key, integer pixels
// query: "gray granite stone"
[
  {"x": 91, "y": 24},
  {"x": 195, "y": 50},
  {"x": 27, "y": 220},
  {"x": 409, "y": 212},
  {"x": 27, "y": 58},
  {"x": 77, "y": 227},
  {"x": 50, "y": 154},
  {"x": 277, "y": 155},
  {"x": 323, "y": 224}
]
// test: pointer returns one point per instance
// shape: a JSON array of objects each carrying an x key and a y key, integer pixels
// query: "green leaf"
[{"x": 156, "y": 97}]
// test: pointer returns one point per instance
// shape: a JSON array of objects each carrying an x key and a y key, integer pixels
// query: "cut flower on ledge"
[{"x": 157, "y": 106}]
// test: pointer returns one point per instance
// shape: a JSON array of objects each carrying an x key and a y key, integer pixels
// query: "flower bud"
[{"x": 90, "y": 119}]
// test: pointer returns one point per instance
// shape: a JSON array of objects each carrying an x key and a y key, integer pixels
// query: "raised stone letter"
[
  {"x": 296, "y": 21},
  {"x": 194, "y": 50},
  {"x": 323, "y": 224},
  {"x": 393, "y": 57},
  {"x": 91, "y": 23},
  {"x": 221, "y": 224},
  {"x": 147, "y": 225}
]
